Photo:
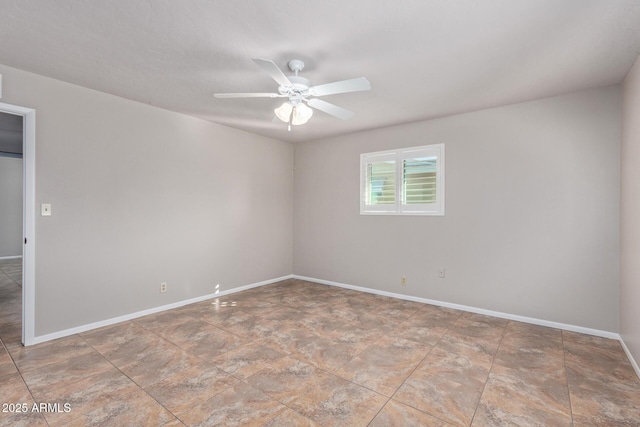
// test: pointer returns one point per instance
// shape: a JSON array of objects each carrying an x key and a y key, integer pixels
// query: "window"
[{"x": 409, "y": 181}]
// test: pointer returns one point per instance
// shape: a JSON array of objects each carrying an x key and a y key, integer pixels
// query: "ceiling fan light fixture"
[
  {"x": 301, "y": 113},
  {"x": 283, "y": 112}
]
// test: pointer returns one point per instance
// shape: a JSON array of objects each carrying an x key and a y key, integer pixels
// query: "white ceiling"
[{"x": 424, "y": 58}]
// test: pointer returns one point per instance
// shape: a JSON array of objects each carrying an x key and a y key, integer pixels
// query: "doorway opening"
[{"x": 27, "y": 117}]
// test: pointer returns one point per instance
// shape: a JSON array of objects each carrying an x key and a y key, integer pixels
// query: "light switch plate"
[{"x": 45, "y": 209}]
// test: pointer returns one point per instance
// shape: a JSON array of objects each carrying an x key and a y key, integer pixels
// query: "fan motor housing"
[{"x": 300, "y": 85}]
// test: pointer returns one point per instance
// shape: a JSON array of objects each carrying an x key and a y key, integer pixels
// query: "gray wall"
[
  {"x": 142, "y": 196},
  {"x": 10, "y": 207},
  {"x": 532, "y": 212},
  {"x": 630, "y": 213}
]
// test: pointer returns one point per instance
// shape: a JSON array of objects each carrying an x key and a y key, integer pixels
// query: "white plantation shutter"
[
  {"x": 419, "y": 180},
  {"x": 382, "y": 183},
  {"x": 409, "y": 181},
  {"x": 379, "y": 182}
]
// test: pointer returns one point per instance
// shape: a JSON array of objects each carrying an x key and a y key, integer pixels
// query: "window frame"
[{"x": 399, "y": 156}]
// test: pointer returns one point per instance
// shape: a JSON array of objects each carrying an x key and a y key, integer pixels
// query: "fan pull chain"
[{"x": 293, "y": 111}]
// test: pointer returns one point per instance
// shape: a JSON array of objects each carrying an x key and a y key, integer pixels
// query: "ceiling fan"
[{"x": 299, "y": 92}]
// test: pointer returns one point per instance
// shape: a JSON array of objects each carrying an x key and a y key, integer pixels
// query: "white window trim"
[{"x": 399, "y": 208}]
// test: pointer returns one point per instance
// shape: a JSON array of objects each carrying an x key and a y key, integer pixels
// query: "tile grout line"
[
  {"x": 196, "y": 356},
  {"x": 13, "y": 360},
  {"x": 2, "y": 269},
  {"x": 22, "y": 378},
  {"x": 334, "y": 373},
  {"x": 414, "y": 369},
  {"x": 504, "y": 330},
  {"x": 131, "y": 379},
  {"x": 10, "y": 278},
  {"x": 411, "y": 373},
  {"x": 566, "y": 374},
  {"x": 254, "y": 340},
  {"x": 240, "y": 379},
  {"x": 405, "y": 380}
]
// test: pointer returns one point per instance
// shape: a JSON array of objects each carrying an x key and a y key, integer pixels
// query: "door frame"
[{"x": 28, "y": 217}]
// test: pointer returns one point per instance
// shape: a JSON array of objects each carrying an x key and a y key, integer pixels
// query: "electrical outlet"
[
  {"x": 441, "y": 272},
  {"x": 163, "y": 287},
  {"x": 403, "y": 281}
]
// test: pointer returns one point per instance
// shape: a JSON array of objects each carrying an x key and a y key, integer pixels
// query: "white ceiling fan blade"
[
  {"x": 352, "y": 85},
  {"x": 272, "y": 69},
  {"x": 248, "y": 95},
  {"x": 329, "y": 108}
]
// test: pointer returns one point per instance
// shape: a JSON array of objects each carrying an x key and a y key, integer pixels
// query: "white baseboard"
[
  {"x": 524, "y": 319},
  {"x": 630, "y": 356},
  {"x": 10, "y": 257},
  {"x": 564, "y": 326},
  {"x": 534, "y": 321},
  {"x": 84, "y": 328}
]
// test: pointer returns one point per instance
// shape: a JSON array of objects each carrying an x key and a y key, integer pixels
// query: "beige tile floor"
[{"x": 301, "y": 354}]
